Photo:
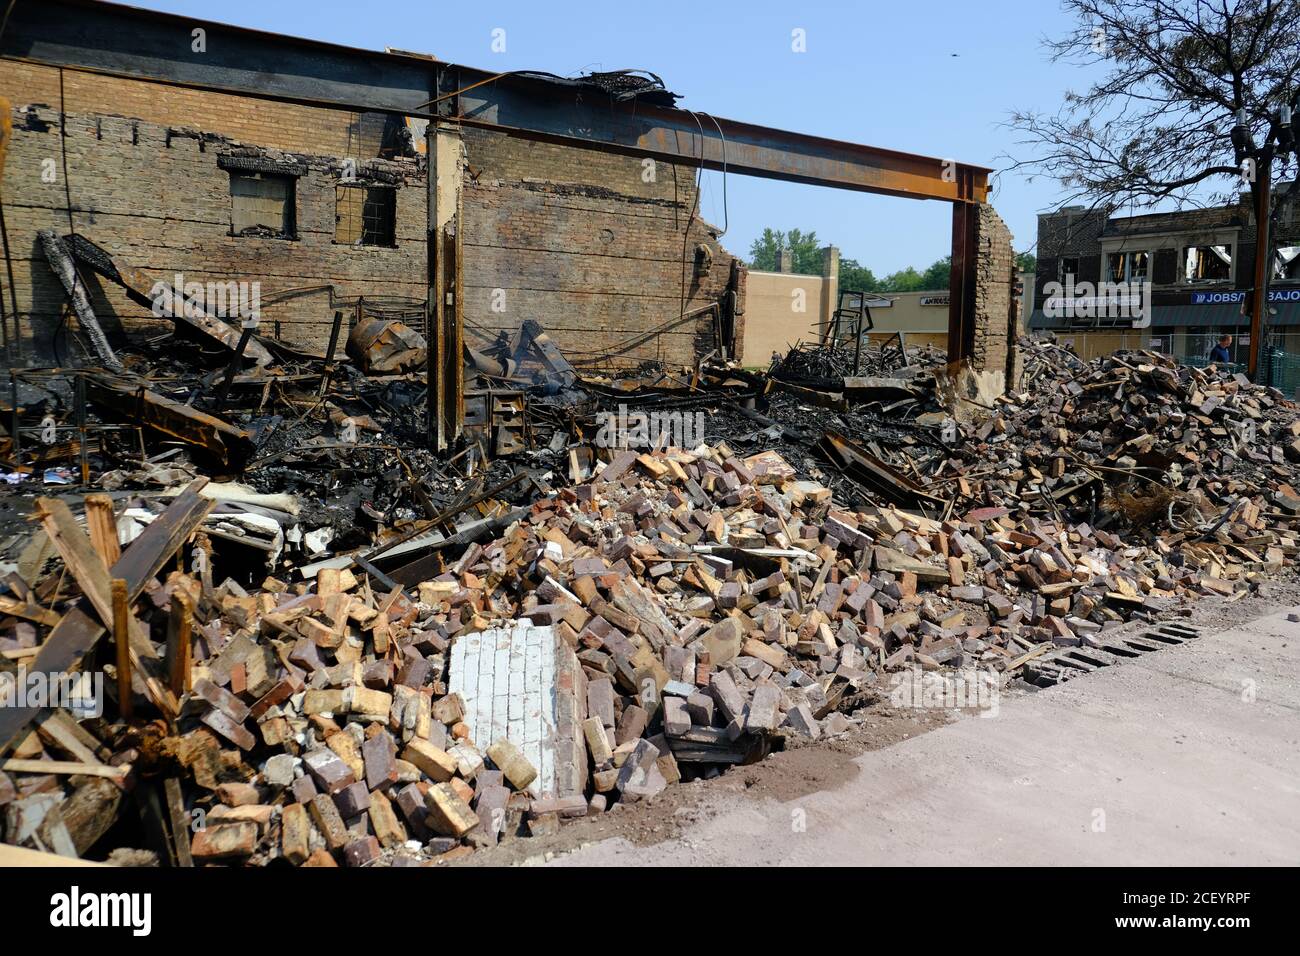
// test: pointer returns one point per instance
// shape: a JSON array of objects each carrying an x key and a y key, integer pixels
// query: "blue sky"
[{"x": 881, "y": 73}]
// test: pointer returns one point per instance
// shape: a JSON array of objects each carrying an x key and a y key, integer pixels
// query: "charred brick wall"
[
  {"x": 594, "y": 246},
  {"x": 287, "y": 126},
  {"x": 153, "y": 192}
]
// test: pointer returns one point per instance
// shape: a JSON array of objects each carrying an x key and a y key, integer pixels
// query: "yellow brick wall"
[
  {"x": 288, "y": 126},
  {"x": 580, "y": 240}
]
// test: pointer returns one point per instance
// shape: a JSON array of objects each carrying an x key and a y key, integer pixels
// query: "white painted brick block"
[{"x": 508, "y": 679}]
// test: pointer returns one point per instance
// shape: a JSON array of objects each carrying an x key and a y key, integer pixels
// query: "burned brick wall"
[
  {"x": 592, "y": 246},
  {"x": 161, "y": 197},
  {"x": 275, "y": 125},
  {"x": 996, "y": 326}
]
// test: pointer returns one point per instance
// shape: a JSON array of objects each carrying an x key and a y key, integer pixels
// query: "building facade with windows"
[{"x": 1199, "y": 264}]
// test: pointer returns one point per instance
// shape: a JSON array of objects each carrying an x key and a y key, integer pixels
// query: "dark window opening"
[
  {"x": 262, "y": 204},
  {"x": 1286, "y": 264},
  {"x": 1069, "y": 266},
  {"x": 1207, "y": 263},
  {"x": 365, "y": 215},
  {"x": 1126, "y": 266}
]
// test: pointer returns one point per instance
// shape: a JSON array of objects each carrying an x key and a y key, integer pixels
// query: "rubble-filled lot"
[{"x": 321, "y": 644}]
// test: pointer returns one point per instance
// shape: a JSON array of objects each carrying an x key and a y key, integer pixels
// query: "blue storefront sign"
[{"x": 1214, "y": 298}]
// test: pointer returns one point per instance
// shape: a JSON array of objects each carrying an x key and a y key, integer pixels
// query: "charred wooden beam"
[
  {"x": 870, "y": 472},
  {"x": 152, "y": 292},
  {"x": 229, "y": 445},
  {"x": 57, "y": 255},
  {"x": 79, "y": 631}
]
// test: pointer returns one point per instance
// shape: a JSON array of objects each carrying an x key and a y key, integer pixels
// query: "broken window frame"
[
  {"x": 1068, "y": 266},
  {"x": 1128, "y": 258},
  {"x": 1286, "y": 259},
  {"x": 1220, "y": 252},
  {"x": 289, "y": 220},
  {"x": 384, "y": 236}
]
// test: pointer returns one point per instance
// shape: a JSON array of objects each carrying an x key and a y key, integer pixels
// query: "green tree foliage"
[
  {"x": 807, "y": 252},
  {"x": 856, "y": 277},
  {"x": 933, "y": 279},
  {"x": 904, "y": 280},
  {"x": 764, "y": 250},
  {"x": 1026, "y": 262},
  {"x": 937, "y": 276},
  {"x": 764, "y": 253}
]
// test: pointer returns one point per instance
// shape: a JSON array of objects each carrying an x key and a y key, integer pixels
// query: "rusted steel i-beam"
[
  {"x": 961, "y": 283},
  {"x": 677, "y": 136},
  {"x": 126, "y": 41}
]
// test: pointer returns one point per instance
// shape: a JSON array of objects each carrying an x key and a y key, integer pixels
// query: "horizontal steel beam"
[
  {"x": 539, "y": 110},
  {"x": 127, "y": 41}
]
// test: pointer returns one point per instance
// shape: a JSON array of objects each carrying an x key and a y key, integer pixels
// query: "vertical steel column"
[
  {"x": 961, "y": 284},
  {"x": 433, "y": 287},
  {"x": 453, "y": 286},
  {"x": 6, "y": 136},
  {"x": 447, "y": 333}
]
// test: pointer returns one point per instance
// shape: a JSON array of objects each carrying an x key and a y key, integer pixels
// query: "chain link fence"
[{"x": 1283, "y": 371}]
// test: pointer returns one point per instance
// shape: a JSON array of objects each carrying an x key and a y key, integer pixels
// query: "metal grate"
[
  {"x": 365, "y": 215},
  {"x": 410, "y": 312}
]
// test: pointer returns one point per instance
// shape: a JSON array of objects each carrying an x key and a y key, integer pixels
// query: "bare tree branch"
[{"x": 1154, "y": 126}]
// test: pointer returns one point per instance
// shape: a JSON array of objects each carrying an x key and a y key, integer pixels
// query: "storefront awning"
[{"x": 1209, "y": 315}]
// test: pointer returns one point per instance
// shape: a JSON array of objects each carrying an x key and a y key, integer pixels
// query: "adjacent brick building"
[{"x": 1200, "y": 264}]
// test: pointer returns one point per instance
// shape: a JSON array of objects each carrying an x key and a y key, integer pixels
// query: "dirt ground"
[{"x": 807, "y": 766}]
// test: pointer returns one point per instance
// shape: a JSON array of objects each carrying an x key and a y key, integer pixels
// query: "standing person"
[{"x": 1220, "y": 352}]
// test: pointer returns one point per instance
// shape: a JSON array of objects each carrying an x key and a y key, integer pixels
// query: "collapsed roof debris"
[
  {"x": 639, "y": 86},
  {"x": 337, "y": 648},
  {"x": 157, "y": 292}
]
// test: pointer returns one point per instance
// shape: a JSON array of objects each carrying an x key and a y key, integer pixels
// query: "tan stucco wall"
[
  {"x": 1090, "y": 345},
  {"x": 920, "y": 324},
  {"x": 912, "y": 339},
  {"x": 907, "y": 315},
  {"x": 772, "y": 322},
  {"x": 772, "y": 325}
]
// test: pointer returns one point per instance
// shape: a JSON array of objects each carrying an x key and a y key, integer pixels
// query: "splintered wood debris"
[{"x": 671, "y": 613}]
